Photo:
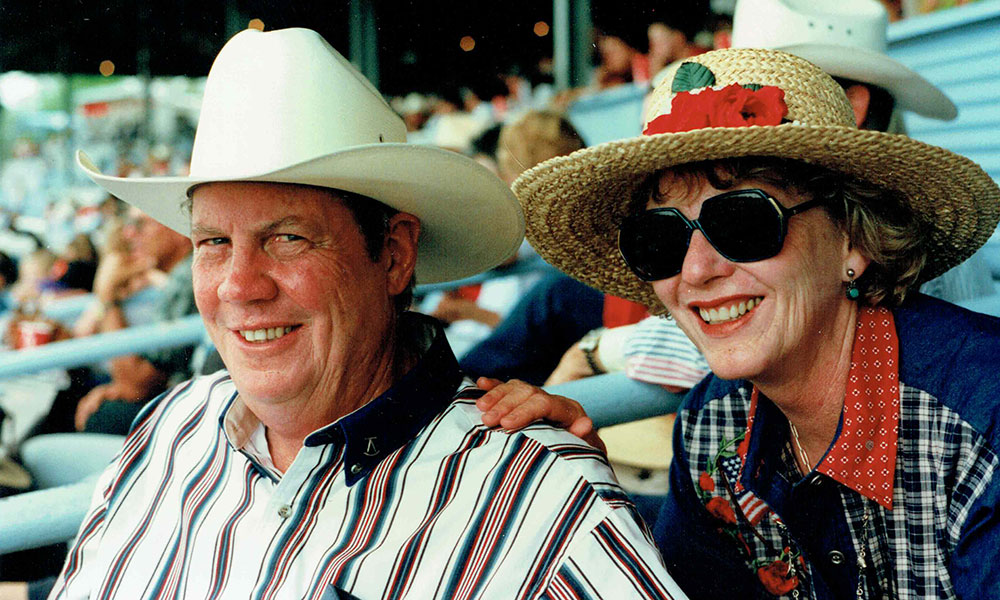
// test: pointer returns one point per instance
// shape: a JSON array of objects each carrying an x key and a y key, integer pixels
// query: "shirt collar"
[
  {"x": 863, "y": 454},
  {"x": 386, "y": 423}
]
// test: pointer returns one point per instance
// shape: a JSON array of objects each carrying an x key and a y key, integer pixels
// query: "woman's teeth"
[
  {"x": 260, "y": 335},
  {"x": 728, "y": 313}
]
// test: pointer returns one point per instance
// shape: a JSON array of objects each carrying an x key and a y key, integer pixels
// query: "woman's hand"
[{"x": 516, "y": 404}]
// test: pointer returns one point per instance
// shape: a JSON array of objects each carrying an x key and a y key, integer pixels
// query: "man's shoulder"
[
  {"x": 566, "y": 456},
  {"x": 203, "y": 398}
]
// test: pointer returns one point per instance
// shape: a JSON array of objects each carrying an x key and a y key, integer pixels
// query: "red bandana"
[{"x": 863, "y": 457}]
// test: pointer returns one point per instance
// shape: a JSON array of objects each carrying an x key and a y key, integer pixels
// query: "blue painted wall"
[{"x": 959, "y": 51}]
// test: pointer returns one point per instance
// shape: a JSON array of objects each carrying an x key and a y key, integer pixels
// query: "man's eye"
[
  {"x": 288, "y": 237},
  {"x": 215, "y": 241}
]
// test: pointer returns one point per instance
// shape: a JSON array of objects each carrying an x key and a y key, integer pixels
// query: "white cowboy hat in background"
[
  {"x": 284, "y": 106},
  {"x": 845, "y": 38}
]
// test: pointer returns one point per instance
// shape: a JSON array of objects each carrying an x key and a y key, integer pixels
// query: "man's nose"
[
  {"x": 703, "y": 262},
  {"x": 247, "y": 278}
]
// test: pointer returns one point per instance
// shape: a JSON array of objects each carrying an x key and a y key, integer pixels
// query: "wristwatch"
[{"x": 589, "y": 346}]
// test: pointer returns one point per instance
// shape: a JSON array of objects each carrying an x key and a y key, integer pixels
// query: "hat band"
[{"x": 731, "y": 106}]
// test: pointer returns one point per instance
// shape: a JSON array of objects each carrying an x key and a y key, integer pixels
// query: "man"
[{"x": 341, "y": 455}]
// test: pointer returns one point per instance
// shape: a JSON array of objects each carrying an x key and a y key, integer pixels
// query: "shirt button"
[
  {"x": 836, "y": 557},
  {"x": 816, "y": 479},
  {"x": 355, "y": 468},
  {"x": 284, "y": 511}
]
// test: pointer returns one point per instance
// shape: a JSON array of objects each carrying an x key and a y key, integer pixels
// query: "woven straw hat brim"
[{"x": 573, "y": 205}]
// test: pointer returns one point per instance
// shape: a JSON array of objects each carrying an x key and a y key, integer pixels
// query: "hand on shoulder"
[{"x": 516, "y": 404}]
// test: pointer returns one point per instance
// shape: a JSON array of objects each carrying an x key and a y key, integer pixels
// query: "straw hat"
[
  {"x": 284, "y": 106},
  {"x": 574, "y": 205},
  {"x": 846, "y": 39}
]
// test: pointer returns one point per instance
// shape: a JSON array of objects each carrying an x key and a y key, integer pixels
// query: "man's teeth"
[
  {"x": 728, "y": 313},
  {"x": 260, "y": 335}
]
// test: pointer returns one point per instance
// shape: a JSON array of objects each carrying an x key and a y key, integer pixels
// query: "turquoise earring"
[{"x": 853, "y": 293}]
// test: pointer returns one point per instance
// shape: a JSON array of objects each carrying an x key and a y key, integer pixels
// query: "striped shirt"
[
  {"x": 410, "y": 496},
  {"x": 657, "y": 351}
]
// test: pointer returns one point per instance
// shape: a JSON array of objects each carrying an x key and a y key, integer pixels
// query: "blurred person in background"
[
  {"x": 673, "y": 37},
  {"x": 160, "y": 257},
  {"x": 473, "y": 312},
  {"x": 535, "y": 332},
  {"x": 620, "y": 61},
  {"x": 33, "y": 275},
  {"x": 8, "y": 275},
  {"x": 74, "y": 269}
]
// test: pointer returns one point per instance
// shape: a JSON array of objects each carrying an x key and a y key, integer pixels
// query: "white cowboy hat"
[
  {"x": 284, "y": 106},
  {"x": 845, "y": 38}
]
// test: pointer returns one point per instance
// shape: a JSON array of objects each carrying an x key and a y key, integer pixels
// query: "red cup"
[{"x": 34, "y": 333}]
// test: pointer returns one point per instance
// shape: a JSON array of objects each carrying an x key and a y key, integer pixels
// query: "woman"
[{"x": 845, "y": 445}]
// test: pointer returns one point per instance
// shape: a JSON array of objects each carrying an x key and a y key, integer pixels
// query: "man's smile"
[{"x": 266, "y": 334}]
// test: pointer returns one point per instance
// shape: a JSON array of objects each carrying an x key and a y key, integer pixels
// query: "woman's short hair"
[
  {"x": 535, "y": 137},
  {"x": 876, "y": 220}
]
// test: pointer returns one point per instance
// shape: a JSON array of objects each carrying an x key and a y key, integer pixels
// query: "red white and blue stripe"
[{"x": 408, "y": 497}]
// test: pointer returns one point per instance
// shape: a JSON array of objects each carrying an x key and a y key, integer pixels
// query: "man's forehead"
[
  {"x": 264, "y": 204},
  {"x": 263, "y": 189}
]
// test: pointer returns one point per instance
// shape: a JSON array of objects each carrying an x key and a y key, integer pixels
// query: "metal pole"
[
  {"x": 363, "y": 36},
  {"x": 235, "y": 20},
  {"x": 582, "y": 42},
  {"x": 572, "y": 42},
  {"x": 561, "y": 44},
  {"x": 145, "y": 72}
]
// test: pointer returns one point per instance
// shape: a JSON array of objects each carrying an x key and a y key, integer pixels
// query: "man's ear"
[
  {"x": 400, "y": 252},
  {"x": 860, "y": 97}
]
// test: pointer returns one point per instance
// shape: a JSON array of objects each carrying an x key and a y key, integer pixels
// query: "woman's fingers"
[{"x": 516, "y": 404}]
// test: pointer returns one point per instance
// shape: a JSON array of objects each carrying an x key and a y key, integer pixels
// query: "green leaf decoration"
[
  {"x": 753, "y": 87},
  {"x": 692, "y": 76}
]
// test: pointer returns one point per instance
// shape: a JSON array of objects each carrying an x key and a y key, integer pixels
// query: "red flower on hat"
[
  {"x": 706, "y": 482},
  {"x": 778, "y": 578},
  {"x": 731, "y": 106},
  {"x": 721, "y": 510}
]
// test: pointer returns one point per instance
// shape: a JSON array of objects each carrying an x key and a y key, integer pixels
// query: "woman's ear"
[
  {"x": 854, "y": 261},
  {"x": 400, "y": 252}
]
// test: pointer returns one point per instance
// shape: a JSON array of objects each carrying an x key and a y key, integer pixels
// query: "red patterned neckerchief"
[{"x": 863, "y": 457}]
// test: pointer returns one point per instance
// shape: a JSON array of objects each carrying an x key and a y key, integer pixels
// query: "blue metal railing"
[
  {"x": 186, "y": 331},
  {"x": 95, "y": 348}
]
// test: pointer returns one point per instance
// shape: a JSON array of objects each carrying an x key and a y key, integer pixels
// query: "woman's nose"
[{"x": 703, "y": 262}]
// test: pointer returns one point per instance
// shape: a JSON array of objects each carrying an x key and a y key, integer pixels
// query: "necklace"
[
  {"x": 803, "y": 456},
  {"x": 862, "y": 551}
]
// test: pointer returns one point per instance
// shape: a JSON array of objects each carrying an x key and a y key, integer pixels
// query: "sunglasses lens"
[
  {"x": 653, "y": 244},
  {"x": 742, "y": 227}
]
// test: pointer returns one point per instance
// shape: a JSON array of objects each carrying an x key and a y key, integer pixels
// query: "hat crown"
[
  {"x": 813, "y": 98},
  {"x": 782, "y": 23},
  {"x": 284, "y": 97}
]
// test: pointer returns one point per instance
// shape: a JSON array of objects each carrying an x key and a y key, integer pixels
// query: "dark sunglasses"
[{"x": 742, "y": 226}]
